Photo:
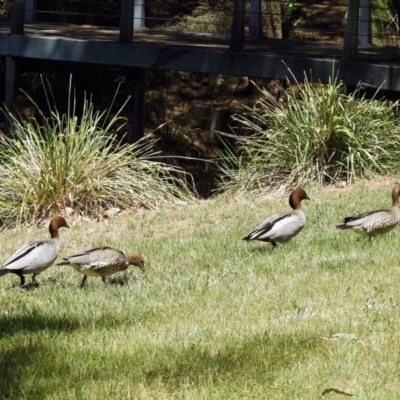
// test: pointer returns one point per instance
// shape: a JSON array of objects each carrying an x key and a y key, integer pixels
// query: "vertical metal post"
[
  {"x": 139, "y": 104},
  {"x": 126, "y": 23},
  {"x": 255, "y": 19},
  {"x": 365, "y": 23},
  {"x": 30, "y": 9},
  {"x": 350, "y": 45},
  {"x": 17, "y": 17},
  {"x": 138, "y": 15},
  {"x": 237, "y": 35},
  {"x": 9, "y": 94}
]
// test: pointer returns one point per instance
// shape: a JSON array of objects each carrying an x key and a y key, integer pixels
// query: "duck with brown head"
[
  {"x": 375, "y": 222},
  {"x": 35, "y": 257},
  {"x": 102, "y": 262},
  {"x": 280, "y": 228}
]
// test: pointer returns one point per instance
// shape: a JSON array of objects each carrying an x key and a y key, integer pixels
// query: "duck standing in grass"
[
  {"x": 375, "y": 222},
  {"x": 102, "y": 262},
  {"x": 35, "y": 257},
  {"x": 281, "y": 228}
]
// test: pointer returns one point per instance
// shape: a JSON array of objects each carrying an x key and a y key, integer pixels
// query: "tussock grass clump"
[
  {"x": 203, "y": 20},
  {"x": 75, "y": 160},
  {"x": 320, "y": 134}
]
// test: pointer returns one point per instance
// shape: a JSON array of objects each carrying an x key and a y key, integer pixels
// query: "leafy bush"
[
  {"x": 74, "y": 160},
  {"x": 323, "y": 134}
]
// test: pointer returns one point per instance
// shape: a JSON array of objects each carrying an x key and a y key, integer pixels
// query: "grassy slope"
[{"x": 214, "y": 316}]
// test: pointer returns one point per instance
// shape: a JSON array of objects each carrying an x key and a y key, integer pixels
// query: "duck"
[
  {"x": 36, "y": 256},
  {"x": 280, "y": 228},
  {"x": 375, "y": 222},
  {"x": 102, "y": 262}
]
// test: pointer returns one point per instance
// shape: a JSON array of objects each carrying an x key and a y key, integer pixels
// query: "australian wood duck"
[
  {"x": 35, "y": 257},
  {"x": 375, "y": 222},
  {"x": 281, "y": 228},
  {"x": 102, "y": 262}
]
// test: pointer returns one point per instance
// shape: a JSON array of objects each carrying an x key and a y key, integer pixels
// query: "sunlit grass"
[{"x": 213, "y": 316}]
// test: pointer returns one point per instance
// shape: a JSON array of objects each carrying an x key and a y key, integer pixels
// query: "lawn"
[{"x": 213, "y": 317}]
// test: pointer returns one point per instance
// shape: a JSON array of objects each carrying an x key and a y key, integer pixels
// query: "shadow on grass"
[
  {"x": 22, "y": 359},
  {"x": 123, "y": 279},
  {"x": 35, "y": 322},
  {"x": 261, "y": 358},
  {"x": 34, "y": 368},
  {"x": 18, "y": 366},
  {"x": 262, "y": 249}
]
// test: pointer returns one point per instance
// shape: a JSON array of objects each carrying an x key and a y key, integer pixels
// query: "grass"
[
  {"x": 74, "y": 159},
  {"x": 203, "y": 20},
  {"x": 320, "y": 134},
  {"x": 213, "y": 316}
]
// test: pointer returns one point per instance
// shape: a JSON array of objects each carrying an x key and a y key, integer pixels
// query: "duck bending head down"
[{"x": 102, "y": 262}]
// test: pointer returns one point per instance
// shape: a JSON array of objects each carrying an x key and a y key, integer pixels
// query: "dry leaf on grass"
[{"x": 111, "y": 212}]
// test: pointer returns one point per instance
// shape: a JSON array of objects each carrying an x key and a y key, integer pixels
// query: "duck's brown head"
[
  {"x": 396, "y": 194},
  {"x": 296, "y": 197},
  {"x": 135, "y": 259},
  {"x": 55, "y": 224}
]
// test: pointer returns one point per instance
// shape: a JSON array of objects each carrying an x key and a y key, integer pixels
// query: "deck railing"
[
  {"x": 352, "y": 22},
  {"x": 235, "y": 24}
]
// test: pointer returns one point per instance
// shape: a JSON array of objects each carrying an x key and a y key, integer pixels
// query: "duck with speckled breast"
[
  {"x": 102, "y": 262},
  {"x": 374, "y": 222}
]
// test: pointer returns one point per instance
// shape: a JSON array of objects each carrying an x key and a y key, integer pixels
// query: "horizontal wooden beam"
[{"x": 191, "y": 59}]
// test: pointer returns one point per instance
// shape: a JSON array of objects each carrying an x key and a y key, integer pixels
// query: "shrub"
[
  {"x": 75, "y": 160},
  {"x": 202, "y": 20},
  {"x": 322, "y": 134}
]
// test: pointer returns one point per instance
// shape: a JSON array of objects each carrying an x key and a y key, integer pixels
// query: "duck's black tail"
[{"x": 343, "y": 226}]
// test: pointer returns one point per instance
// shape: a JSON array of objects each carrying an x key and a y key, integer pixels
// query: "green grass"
[{"x": 213, "y": 317}]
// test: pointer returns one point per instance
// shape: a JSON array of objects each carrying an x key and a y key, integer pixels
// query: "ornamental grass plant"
[
  {"x": 75, "y": 160},
  {"x": 319, "y": 134},
  {"x": 202, "y": 20}
]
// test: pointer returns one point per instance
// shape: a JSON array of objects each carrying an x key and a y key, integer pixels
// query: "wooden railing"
[
  {"x": 244, "y": 29},
  {"x": 357, "y": 22}
]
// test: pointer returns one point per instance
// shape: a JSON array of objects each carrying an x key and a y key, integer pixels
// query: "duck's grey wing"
[
  {"x": 33, "y": 254},
  {"x": 96, "y": 256},
  {"x": 266, "y": 226},
  {"x": 357, "y": 220}
]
